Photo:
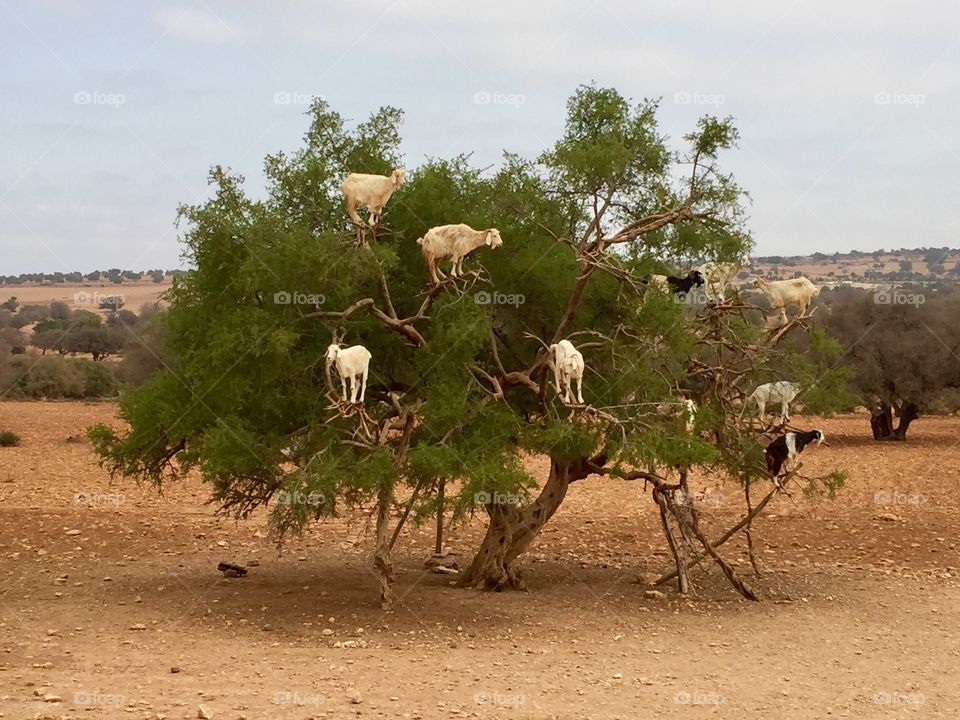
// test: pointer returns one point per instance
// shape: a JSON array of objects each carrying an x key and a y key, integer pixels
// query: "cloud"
[{"x": 196, "y": 26}]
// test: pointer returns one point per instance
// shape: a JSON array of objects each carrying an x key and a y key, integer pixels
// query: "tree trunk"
[
  {"x": 511, "y": 531},
  {"x": 382, "y": 563},
  {"x": 881, "y": 421},
  {"x": 908, "y": 413}
]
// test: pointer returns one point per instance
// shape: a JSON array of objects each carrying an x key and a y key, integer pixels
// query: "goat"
[
  {"x": 454, "y": 242},
  {"x": 781, "y": 293},
  {"x": 781, "y": 391},
  {"x": 685, "y": 409},
  {"x": 785, "y": 449},
  {"x": 373, "y": 191},
  {"x": 718, "y": 275},
  {"x": 352, "y": 363},
  {"x": 677, "y": 285},
  {"x": 567, "y": 363}
]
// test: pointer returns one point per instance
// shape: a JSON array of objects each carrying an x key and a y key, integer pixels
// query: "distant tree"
[
  {"x": 903, "y": 354},
  {"x": 59, "y": 310},
  {"x": 10, "y": 304},
  {"x": 100, "y": 341},
  {"x": 93, "y": 276},
  {"x": 157, "y": 276},
  {"x": 29, "y": 314},
  {"x": 111, "y": 302},
  {"x": 906, "y": 266}
]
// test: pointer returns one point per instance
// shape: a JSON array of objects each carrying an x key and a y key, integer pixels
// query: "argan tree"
[
  {"x": 459, "y": 380},
  {"x": 903, "y": 349}
]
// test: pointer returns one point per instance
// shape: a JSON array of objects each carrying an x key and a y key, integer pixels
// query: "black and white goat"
[
  {"x": 785, "y": 449},
  {"x": 677, "y": 285}
]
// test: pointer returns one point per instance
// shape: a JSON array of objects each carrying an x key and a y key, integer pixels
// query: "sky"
[{"x": 113, "y": 112}]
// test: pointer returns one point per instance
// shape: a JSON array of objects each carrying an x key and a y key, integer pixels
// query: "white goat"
[
  {"x": 689, "y": 414},
  {"x": 718, "y": 275},
  {"x": 373, "y": 191},
  {"x": 352, "y": 363},
  {"x": 781, "y": 391},
  {"x": 567, "y": 363},
  {"x": 454, "y": 242},
  {"x": 781, "y": 293},
  {"x": 685, "y": 409}
]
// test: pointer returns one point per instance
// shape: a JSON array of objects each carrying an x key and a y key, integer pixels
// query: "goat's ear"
[{"x": 488, "y": 238}]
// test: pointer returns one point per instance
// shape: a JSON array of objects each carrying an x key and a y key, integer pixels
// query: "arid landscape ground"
[{"x": 111, "y": 605}]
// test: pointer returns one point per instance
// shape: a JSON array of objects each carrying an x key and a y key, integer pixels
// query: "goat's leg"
[
  {"x": 762, "y": 409},
  {"x": 363, "y": 388},
  {"x": 580, "y": 389},
  {"x": 374, "y": 215},
  {"x": 784, "y": 411},
  {"x": 352, "y": 211},
  {"x": 783, "y": 314},
  {"x": 343, "y": 383}
]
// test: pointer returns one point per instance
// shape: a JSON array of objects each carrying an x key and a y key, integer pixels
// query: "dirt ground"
[
  {"x": 111, "y": 605},
  {"x": 87, "y": 295}
]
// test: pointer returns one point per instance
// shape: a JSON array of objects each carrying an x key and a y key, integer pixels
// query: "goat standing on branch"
[
  {"x": 454, "y": 242},
  {"x": 781, "y": 293},
  {"x": 718, "y": 275},
  {"x": 372, "y": 191},
  {"x": 784, "y": 451},
  {"x": 352, "y": 363},
  {"x": 567, "y": 364},
  {"x": 781, "y": 391}
]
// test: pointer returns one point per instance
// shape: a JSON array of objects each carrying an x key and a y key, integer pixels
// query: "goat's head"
[
  {"x": 493, "y": 238},
  {"x": 818, "y": 436},
  {"x": 332, "y": 352},
  {"x": 399, "y": 176},
  {"x": 745, "y": 261},
  {"x": 759, "y": 281},
  {"x": 697, "y": 277}
]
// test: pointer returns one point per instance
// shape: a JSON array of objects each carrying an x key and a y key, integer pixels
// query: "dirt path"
[{"x": 104, "y": 589}]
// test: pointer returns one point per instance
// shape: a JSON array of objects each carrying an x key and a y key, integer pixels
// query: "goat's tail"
[{"x": 420, "y": 241}]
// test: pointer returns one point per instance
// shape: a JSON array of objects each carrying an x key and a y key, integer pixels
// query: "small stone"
[
  {"x": 174, "y": 669},
  {"x": 73, "y": 532},
  {"x": 203, "y": 713},
  {"x": 52, "y": 698},
  {"x": 138, "y": 626},
  {"x": 654, "y": 594},
  {"x": 326, "y": 631},
  {"x": 355, "y": 698}
]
